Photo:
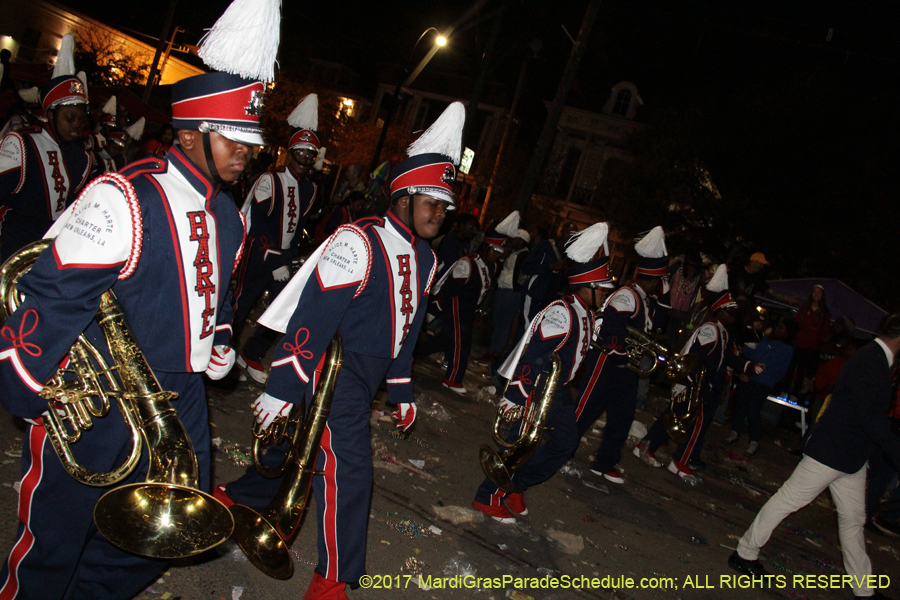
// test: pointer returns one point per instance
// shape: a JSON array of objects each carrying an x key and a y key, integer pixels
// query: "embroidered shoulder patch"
[
  {"x": 345, "y": 261},
  {"x": 622, "y": 301},
  {"x": 11, "y": 153},
  {"x": 100, "y": 228},
  {"x": 462, "y": 268},
  {"x": 707, "y": 334},
  {"x": 262, "y": 191},
  {"x": 554, "y": 323}
]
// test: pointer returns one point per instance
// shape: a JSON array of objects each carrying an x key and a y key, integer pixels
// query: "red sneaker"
[
  {"x": 680, "y": 469},
  {"x": 325, "y": 589},
  {"x": 516, "y": 504},
  {"x": 455, "y": 387},
  {"x": 253, "y": 368},
  {"x": 498, "y": 513},
  {"x": 613, "y": 475},
  {"x": 221, "y": 495}
]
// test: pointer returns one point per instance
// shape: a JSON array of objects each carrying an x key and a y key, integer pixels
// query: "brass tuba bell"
[
  {"x": 166, "y": 516},
  {"x": 677, "y": 366},
  {"x": 263, "y": 537},
  {"x": 500, "y": 467}
]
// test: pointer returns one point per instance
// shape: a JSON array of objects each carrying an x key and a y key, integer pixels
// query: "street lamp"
[{"x": 439, "y": 42}]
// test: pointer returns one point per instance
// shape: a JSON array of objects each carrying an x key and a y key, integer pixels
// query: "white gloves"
[
  {"x": 266, "y": 409},
  {"x": 220, "y": 362},
  {"x": 405, "y": 415},
  {"x": 510, "y": 410},
  {"x": 757, "y": 368},
  {"x": 281, "y": 274}
]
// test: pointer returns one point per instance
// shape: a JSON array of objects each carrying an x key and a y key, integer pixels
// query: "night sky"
[{"x": 792, "y": 106}]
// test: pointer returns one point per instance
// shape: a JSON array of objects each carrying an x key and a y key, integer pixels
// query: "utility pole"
[
  {"x": 542, "y": 149},
  {"x": 160, "y": 46},
  {"x": 503, "y": 139},
  {"x": 472, "y": 108}
]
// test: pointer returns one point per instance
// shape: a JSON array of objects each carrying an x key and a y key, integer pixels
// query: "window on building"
[
  {"x": 623, "y": 103},
  {"x": 567, "y": 173}
]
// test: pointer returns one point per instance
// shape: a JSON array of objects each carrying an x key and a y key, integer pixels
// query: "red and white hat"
[
  {"x": 582, "y": 247},
  {"x": 431, "y": 166},
  {"x": 305, "y": 121},
  {"x": 241, "y": 46},
  {"x": 718, "y": 285},
  {"x": 654, "y": 258},
  {"x": 109, "y": 112},
  {"x": 64, "y": 87}
]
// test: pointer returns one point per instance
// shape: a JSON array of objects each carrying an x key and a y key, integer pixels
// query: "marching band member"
[
  {"x": 714, "y": 346},
  {"x": 609, "y": 386},
  {"x": 42, "y": 169},
  {"x": 165, "y": 236},
  {"x": 565, "y": 327},
  {"x": 462, "y": 289},
  {"x": 276, "y": 210},
  {"x": 369, "y": 282}
]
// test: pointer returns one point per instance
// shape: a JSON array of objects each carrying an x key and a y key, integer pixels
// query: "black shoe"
[
  {"x": 886, "y": 527},
  {"x": 747, "y": 567}
]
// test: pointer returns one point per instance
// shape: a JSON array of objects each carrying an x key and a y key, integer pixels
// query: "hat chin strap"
[{"x": 211, "y": 163}]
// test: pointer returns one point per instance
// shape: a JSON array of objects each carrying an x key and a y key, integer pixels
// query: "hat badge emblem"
[
  {"x": 76, "y": 87},
  {"x": 449, "y": 174},
  {"x": 257, "y": 102}
]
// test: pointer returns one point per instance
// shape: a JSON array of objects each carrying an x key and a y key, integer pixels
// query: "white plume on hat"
[
  {"x": 244, "y": 41},
  {"x": 65, "y": 61},
  {"x": 524, "y": 235},
  {"x": 444, "y": 136},
  {"x": 719, "y": 281},
  {"x": 110, "y": 107},
  {"x": 136, "y": 130},
  {"x": 306, "y": 115},
  {"x": 652, "y": 245},
  {"x": 583, "y": 245},
  {"x": 510, "y": 225},
  {"x": 30, "y": 95},
  {"x": 320, "y": 159}
]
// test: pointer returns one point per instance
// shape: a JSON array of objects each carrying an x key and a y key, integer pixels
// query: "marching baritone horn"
[
  {"x": 263, "y": 537},
  {"x": 500, "y": 467},
  {"x": 677, "y": 425},
  {"x": 638, "y": 343},
  {"x": 166, "y": 516}
]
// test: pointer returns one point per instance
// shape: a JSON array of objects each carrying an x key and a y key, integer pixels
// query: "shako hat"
[
  {"x": 64, "y": 87},
  {"x": 431, "y": 166},
  {"x": 305, "y": 121},
  {"x": 582, "y": 247},
  {"x": 654, "y": 259},
  {"x": 718, "y": 285},
  {"x": 505, "y": 229},
  {"x": 241, "y": 47}
]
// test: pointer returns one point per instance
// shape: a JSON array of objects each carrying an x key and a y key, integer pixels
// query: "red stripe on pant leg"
[
  {"x": 496, "y": 497},
  {"x": 455, "y": 370},
  {"x": 36, "y": 438},
  {"x": 692, "y": 441},
  {"x": 595, "y": 374},
  {"x": 329, "y": 524}
]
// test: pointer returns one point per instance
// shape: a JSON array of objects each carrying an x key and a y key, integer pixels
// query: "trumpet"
[
  {"x": 638, "y": 343},
  {"x": 677, "y": 425},
  {"x": 500, "y": 467},
  {"x": 166, "y": 516},
  {"x": 263, "y": 536}
]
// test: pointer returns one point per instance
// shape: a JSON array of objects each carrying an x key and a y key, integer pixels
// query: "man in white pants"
[{"x": 835, "y": 457}]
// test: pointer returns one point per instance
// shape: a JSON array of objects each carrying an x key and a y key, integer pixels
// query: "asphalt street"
[{"x": 655, "y": 536}]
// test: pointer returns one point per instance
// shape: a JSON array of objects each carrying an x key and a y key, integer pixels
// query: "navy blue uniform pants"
[
  {"x": 610, "y": 389},
  {"x": 692, "y": 445},
  {"x": 343, "y": 493},
  {"x": 559, "y": 444},
  {"x": 749, "y": 399},
  {"x": 58, "y": 552},
  {"x": 455, "y": 339},
  {"x": 255, "y": 278}
]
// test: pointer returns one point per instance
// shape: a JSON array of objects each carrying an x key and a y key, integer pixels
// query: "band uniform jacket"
[
  {"x": 159, "y": 225},
  {"x": 566, "y": 327},
  {"x": 276, "y": 210},
  {"x": 369, "y": 281},
  {"x": 38, "y": 180}
]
